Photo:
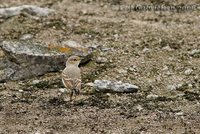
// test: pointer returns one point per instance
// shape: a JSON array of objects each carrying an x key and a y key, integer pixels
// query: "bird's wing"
[
  {"x": 68, "y": 83},
  {"x": 71, "y": 83},
  {"x": 77, "y": 84}
]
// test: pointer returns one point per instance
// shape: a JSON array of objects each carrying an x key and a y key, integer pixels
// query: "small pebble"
[
  {"x": 20, "y": 90},
  {"x": 195, "y": 52},
  {"x": 139, "y": 107},
  {"x": 188, "y": 71},
  {"x": 26, "y": 37},
  {"x": 167, "y": 48},
  {"x": 38, "y": 132},
  {"x": 165, "y": 68},
  {"x": 145, "y": 50},
  {"x": 171, "y": 87},
  {"x": 101, "y": 60},
  {"x": 179, "y": 113},
  {"x": 122, "y": 71},
  {"x": 132, "y": 69},
  {"x": 190, "y": 85},
  {"x": 175, "y": 86},
  {"x": 35, "y": 82},
  {"x": 152, "y": 96},
  {"x": 62, "y": 90}
]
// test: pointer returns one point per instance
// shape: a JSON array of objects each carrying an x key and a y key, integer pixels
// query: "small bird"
[{"x": 71, "y": 76}]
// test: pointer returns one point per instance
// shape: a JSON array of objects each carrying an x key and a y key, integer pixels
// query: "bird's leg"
[
  {"x": 77, "y": 92},
  {"x": 71, "y": 94}
]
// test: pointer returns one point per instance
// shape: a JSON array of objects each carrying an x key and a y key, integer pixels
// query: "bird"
[{"x": 71, "y": 76}]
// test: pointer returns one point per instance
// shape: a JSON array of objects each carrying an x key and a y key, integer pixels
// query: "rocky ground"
[{"x": 157, "y": 51}]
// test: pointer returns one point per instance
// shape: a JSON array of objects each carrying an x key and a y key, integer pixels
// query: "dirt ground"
[{"x": 157, "y": 50}]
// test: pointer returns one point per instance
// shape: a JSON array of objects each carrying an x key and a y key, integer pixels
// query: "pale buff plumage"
[{"x": 71, "y": 76}]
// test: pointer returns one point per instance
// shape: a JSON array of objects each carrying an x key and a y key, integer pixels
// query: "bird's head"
[{"x": 73, "y": 60}]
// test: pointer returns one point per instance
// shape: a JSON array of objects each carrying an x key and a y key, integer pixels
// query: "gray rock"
[
  {"x": 175, "y": 86},
  {"x": 171, "y": 87},
  {"x": 34, "y": 82},
  {"x": 105, "y": 49},
  {"x": 26, "y": 37},
  {"x": 139, "y": 107},
  {"x": 195, "y": 53},
  {"x": 101, "y": 60},
  {"x": 62, "y": 90},
  {"x": 28, "y": 59},
  {"x": 152, "y": 96},
  {"x": 131, "y": 69},
  {"x": 188, "y": 71},
  {"x": 122, "y": 71},
  {"x": 111, "y": 86},
  {"x": 20, "y": 90},
  {"x": 167, "y": 48},
  {"x": 179, "y": 114},
  {"x": 145, "y": 50},
  {"x": 30, "y": 9}
]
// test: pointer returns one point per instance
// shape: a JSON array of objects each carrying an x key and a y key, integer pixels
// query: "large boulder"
[
  {"x": 26, "y": 59},
  {"x": 29, "y": 9}
]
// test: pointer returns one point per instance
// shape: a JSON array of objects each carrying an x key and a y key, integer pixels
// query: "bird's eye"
[{"x": 75, "y": 59}]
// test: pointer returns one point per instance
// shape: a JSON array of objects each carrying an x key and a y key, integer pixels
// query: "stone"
[
  {"x": 195, "y": 53},
  {"x": 165, "y": 68},
  {"x": 179, "y": 114},
  {"x": 30, "y": 9},
  {"x": 190, "y": 85},
  {"x": 145, "y": 50},
  {"x": 101, "y": 60},
  {"x": 34, "y": 82},
  {"x": 116, "y": 87},
  {"x": 132, "y": 69},
  {"x": 26, "y": 37},
  {"x": 188, "y": 71},
  {"x": 105, "y": 49},
  {"x": 167, "y": 48},
  {"x": 38, "y": 132},
  {"x": 139, "y": 107},
  {"x": 28, "y": 59},
  {"x": 20, "y": 90},
  {"x": 62, "y": 90},
  {"x": 175, "y": 86},
  {"x": 122, "y": 71},
  {"x": 171, "y": 87},
  {"x": 152, "y": 96}
]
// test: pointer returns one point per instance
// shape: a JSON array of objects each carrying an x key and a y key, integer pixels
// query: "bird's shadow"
[{"x": 97, "y": 99}]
